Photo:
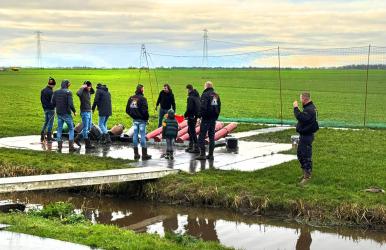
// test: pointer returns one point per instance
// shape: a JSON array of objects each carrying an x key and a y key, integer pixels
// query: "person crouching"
[{"x": 169, "y": 132}]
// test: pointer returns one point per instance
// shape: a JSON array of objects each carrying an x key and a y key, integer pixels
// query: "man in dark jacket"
[
  {"x": 307, "y": 125},
  {"x": 49, "y": 110},
  {"x": 63, "y": 103},
  {"x": 84, "y": 94},
  {"x": 137, "y": 109},
  {"x": 210, "y": 110},
  {"x": 166, "y": 102},
  {"x": 102, "y": 100},
  {"x": 192, "y": 114}
]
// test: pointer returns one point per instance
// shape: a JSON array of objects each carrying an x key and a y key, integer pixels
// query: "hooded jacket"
[
  {"x": 102, "y": 100},
  {"x": 210, "y": 105},
  {"x": 166, "y": 100},
  {"x": 307, "y": 120},
  {"x": 85, "y": 99},
  {"x": 137, "y": 107},
  {"x": 62, "y": 100},
  {"x": 192, "y": 105},
  {"x": 46, "y": 97},
  {"x": 170, "y": 126}
]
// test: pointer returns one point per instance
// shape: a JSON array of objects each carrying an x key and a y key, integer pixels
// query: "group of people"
[{"x": 206, "y": 107}]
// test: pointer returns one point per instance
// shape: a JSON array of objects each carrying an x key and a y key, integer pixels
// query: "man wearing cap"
[
  {"x": 49, "y": 110},
  {"x": 137, "y": 108},
  {"x": 84, "y": 94},
  {"x": 64, "y": 105}
]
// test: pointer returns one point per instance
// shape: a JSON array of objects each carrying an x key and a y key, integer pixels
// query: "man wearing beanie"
[
  {"x": 63, "y": 103},
  {"x": 137, "y": 109},
  {"x": 49, "y": 110},
  {"x": 84, "y": 94},
  {"x": 102, "y": 100}
]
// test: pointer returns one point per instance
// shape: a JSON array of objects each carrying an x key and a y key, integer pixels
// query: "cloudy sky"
[{"x": 99, "y": 33}]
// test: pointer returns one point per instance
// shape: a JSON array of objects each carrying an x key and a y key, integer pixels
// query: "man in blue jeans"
[
  {"x": 102, "y": 100},
  {"x": 137, "y": 108},
  {"x": 64, "y": 105},
  {"x": 84, "y": 94},
  {"x": 49, "y": 110}
]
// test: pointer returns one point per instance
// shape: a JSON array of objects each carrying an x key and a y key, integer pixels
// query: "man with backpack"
[
  {"x": 192, "y": 114},
  {"x": 209, "y": 110},
  {"x": 137, "y": 108},
  {"x": 306, "y": 127}
]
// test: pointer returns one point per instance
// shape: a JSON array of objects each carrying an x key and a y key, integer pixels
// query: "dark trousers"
[
  {"x": 305, "y": 152},
  {"x": 207, "y": 126},
  {"x": 192, "y": 130},
  {"x": 170, "y": 144}
]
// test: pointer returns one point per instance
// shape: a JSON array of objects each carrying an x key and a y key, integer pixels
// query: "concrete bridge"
[{"x": 52, "y": 181}]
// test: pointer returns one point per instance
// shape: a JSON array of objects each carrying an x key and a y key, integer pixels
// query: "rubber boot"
[
  {"x": 195, "y": 149},
  {"x": 189, "y": 148},
  {"x": 88, "y": 143},
  {"x": 145, "y": 156},
  {"x": 49, "y": 137},
  {"x": 60, "y": 145},
  {"x": 71, "y": 147},
  {"x": 171, "y": 157},
  {"x": 42, "y": 136},
  {"x": 77, "y": 139},
  {"x": 210, "y": 153},
  {"x": 201, "y": 157},
  {"x": 306, "y": 178},
  {"x": 136, "y": 154}
]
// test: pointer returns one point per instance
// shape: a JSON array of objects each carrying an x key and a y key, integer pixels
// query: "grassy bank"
[
  {"x": 339, "y": 94},
  {"x": 15, "y": 162},
  {"x": 58, "y": 221},
  {"x": 345, "y": 163}
]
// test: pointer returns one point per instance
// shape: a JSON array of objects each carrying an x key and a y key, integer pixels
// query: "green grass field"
[{"x": 338, "y": 94}]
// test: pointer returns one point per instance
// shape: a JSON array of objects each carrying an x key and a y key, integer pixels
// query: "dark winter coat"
[
  {"x": 46, "y": 97},
  {"x": 85, "y": 99},
  {"x": 307, "y": 120},
  {"x": 137, "y": 107},
  {"x": 192, "y": 105},
  {"x": 102, "y": 100},
  {"x": 210, "y": 105},
  {"x": 170, "y": 127},
  {"x": 62, "y": 100},
  {"x": 166, "y": 100}
]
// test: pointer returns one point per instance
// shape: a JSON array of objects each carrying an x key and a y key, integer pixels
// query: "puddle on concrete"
[
  {"x": 249, "y": 157},
  {"x": 18, "y": 241},
  {"x": 228, "y": 228}
]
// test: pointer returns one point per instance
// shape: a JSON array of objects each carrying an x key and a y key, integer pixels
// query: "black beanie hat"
[
  {"x": 88, "y": 83},
  {"x": 53, "y": 83}
]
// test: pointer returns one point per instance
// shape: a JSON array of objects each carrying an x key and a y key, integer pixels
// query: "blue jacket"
[{"x": 62, "y": 100}]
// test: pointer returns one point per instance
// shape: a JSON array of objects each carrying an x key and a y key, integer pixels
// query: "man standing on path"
[
  {"x": 63, "y": 103},
  {"x": 49, "y": 110},
  {"x": 210, "y": 110},
  {"x": 137, "y": 108},
  {"x": 306, "y": 127},
  {"x": 166, "y": 102},
  {"x": 192, "y": 114},
  {"x": 102, "y": 100},
  {"x": 84, "y": 94}
]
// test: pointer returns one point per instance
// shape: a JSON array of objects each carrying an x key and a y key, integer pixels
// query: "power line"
[{"x": 224, "y": 55}]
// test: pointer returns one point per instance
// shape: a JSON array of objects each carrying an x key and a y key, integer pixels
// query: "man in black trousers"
[
  {"x": 209, "y": 110},
  {"x": 192, "y": 114},
  {"x": 306, "y": 127}
]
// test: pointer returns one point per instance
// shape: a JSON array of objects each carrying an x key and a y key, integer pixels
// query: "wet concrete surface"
[
  {"x": 229, "y": 228},
  {"x": 19, "y": 241},
  {"x": 249, "y": 157}
]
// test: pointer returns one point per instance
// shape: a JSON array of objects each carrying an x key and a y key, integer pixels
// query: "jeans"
[
  {"x": 103, "y": 123},
  {"x": 170, "y": 144},
  {"x": 70, "y": 124},
  {"x": 161, "y": 115},
  {"x": 192, "y": 130},
  {"x": 207, "y": 126},
  {"x": 304, "y": 152},
  {"x": 139, "y": 128},
  {"x": 49, "y": 117},
  {"x": 86, "y": 122}
]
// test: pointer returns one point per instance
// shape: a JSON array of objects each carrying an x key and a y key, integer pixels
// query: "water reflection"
[{"x": 226, "y": 227}]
